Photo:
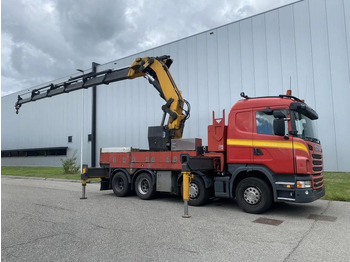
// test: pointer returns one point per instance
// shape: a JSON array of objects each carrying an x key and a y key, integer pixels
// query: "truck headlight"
[{"x": 303, "y": 184}]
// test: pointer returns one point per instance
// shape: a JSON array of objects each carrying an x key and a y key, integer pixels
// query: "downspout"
[{"x": 93, "y": 120}]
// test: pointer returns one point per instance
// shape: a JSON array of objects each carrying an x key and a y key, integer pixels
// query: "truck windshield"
[{"x": 306, "y": 127}]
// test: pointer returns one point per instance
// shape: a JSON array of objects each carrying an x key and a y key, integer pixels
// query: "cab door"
[{"x": 270, "y": 150}]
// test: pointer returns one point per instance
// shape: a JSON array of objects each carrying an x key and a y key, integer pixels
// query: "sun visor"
[{"x": 304, "y": 109}]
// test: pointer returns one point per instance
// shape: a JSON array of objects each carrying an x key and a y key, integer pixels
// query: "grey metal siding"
[
  {"x": 42, "y": 124},
  {"x": 304, "y": 45},
  {"x": 273, "y": 46},
  {"x": 339, "y": 78},
  {"x": 260, "y": 56}
]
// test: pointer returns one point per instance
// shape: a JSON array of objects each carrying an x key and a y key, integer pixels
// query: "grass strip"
[
  {"x": 337, "y": 186},
  {"x": 45, "y": 172}
]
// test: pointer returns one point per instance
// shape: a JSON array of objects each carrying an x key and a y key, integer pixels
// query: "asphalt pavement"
[{"x": 45, "y": 220}]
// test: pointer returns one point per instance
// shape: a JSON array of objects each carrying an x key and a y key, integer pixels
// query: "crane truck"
[{"x": 267, "y": 152}]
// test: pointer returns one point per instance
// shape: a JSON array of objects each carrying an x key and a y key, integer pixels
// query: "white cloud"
[{"x": 43, "y": 40}]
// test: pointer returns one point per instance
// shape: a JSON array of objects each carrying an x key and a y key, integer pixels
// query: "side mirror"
[{"x": 279, "y": 127}]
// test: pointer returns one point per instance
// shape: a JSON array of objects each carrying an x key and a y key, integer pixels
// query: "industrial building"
[{"x": 303, "y": 46}]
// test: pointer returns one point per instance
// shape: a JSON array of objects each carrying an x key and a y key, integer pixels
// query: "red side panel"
[
  {"x": 239, "y": 137},
  {"x": 309, "y": 157},
  {"x": 217, "y": 134},
  {"x": 169, "y": 160},
  {"x": 275, "y": 152}
]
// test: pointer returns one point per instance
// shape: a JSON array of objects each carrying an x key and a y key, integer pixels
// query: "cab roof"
[{"x": 268, "y": 101}]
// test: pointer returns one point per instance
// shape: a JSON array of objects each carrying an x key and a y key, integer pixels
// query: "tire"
[
  {"x": 199, "y": 195},
  {"x": 144, "y": 187},
  {"x": 120, "y": 184},
  {"x": 253, "y": 195}
]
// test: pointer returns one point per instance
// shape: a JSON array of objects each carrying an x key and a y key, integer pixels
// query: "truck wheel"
[
  {"x": 199, "y": 195},
  {"x": 144, "y": 187},
  {"x": 120, "y": 184},
  {"x": 253, "y": 195}
]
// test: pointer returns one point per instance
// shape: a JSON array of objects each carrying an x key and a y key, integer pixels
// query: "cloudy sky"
[{"x": 42, "y": 40}]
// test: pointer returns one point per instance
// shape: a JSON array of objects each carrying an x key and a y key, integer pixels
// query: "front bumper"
[{"x": 307, "y": 195}]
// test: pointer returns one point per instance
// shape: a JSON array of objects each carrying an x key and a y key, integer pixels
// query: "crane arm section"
[{"x": 155, "y": 69}]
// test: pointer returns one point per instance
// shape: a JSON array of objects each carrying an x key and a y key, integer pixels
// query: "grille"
[
  {"x": 317, "y": 163},
  {"x": 316, "y": 156},
  {"x": 317, "y": 167},
  {"x": 317, "y": 181}
]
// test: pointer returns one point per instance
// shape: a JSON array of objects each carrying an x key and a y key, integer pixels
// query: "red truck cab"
[{"x": 273, "y": 140}]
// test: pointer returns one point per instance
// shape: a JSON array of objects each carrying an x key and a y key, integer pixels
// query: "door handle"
[{"x": 257, "y": 152}]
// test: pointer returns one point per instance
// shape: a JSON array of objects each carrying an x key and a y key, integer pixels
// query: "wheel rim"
[
  {"x": 194, "y": 190},
  {"x": 120, "y": 184},
  {"x": 143, "y": 186},
  {"x": 252, "y": 195}
]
